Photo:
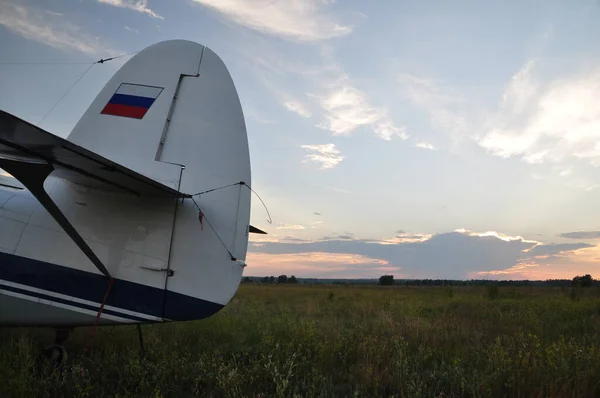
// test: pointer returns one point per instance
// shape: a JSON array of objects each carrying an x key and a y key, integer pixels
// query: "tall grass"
[{"x": 305, "y": 341}]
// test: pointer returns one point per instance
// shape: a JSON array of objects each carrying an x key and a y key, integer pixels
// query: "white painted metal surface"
[{"x": 198, "y": 118}]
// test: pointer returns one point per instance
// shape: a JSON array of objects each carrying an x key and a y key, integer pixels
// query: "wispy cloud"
[
  {"x": 318, "y": 264},
  {"x": 581, "y": 235},
  {"x": 304, "y": 20},
  {"x": 291, "y": 226},
  {"x": 259, "y": 118},
  {"x": 547, "y": 121},
  {"x": 425, "y": 145},
  {"x": 135, "y": 5},
  {"x": 347, "y": 108},
  {"x": 49, "y": 28},
  {"x": 297, "y": 107},
  {"x": 327, "y": 155},
  {"x": 438, "y": 101},
  {"x": 137, "y": 32}
]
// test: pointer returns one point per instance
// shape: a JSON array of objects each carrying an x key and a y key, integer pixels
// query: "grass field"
[{"x": 335, "y": 341}]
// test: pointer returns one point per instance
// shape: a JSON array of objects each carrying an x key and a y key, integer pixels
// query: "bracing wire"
[
  {"x": 270, "y": 220},
  {"x": 46, "y": 63},
  {"x": 215, "y": 232},
  {"x": 65, "y": 94},
  {"x": 219, "y": 188},
  {"x": 100, "y": 61}
]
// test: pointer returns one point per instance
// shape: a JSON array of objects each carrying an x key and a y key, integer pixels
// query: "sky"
[{"x": 422, "y": 139}]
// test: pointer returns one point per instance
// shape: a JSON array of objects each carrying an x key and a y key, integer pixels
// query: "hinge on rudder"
[{"x": 168, "y": 271}]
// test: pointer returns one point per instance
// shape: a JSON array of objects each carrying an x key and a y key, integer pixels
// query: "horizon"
[{"x": 422, "y": 139}]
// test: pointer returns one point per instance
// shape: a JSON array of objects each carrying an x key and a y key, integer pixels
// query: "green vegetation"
[{"x": 287, "y": 340}]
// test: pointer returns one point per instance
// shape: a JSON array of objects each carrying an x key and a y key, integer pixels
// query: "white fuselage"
[{"x": 45, "y": 279}]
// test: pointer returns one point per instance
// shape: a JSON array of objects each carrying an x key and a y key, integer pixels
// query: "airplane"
[{"x": 142, "y": 214}]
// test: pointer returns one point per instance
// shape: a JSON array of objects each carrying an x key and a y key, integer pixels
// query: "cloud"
[
  {"x": 347, "y": 108},
  {"x": 445, "y": 255},
  {"x": 49, "y": 28},
  {"x": 302, "y": 20},
  {"x": 581, "y": 235},
  {"x": 546, "y": 122},
  {"x": 497, "y": 235},
  {"x": 425, "y": 145},
  {"x": 556, "y": 249},
  {"x": 438, "y": 101},
  {"x": 297, "y": 107},
  {"x": 137, "y": 32},
  {"x": 326, "y": 154},
  {"x": 135, "y": 5},
  {"x": 317, "y": 264},
  {"x": 316, "y": 214},
  {"x": 260, "y": 119},
  {"x": 290, "y": 226}
]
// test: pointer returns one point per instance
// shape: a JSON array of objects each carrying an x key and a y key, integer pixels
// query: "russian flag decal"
[{"x": 131, "y": 100}]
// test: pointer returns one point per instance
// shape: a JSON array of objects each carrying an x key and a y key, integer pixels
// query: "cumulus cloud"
[
  {"x": 446, "y": 255},
  {"x": 49, "y": 28},
  {"x": 581, "y": 235},
  {"x": 327, "y": 155},
  {"x": 135, "y": 5},
  {"x": 297, "y": 107},
  {"x": 543, "y": 122},
  {"x": 302, "y": 20},
  {"x": 347, "y": 108}
]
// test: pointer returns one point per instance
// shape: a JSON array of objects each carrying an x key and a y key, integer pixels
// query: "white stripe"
[
  {"x": 140, "y": 91},
  {"x": 64, "y": 306},
  {"x": 78, "y": 300}
]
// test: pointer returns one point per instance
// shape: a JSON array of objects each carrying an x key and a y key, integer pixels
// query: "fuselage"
[{"x": 46, "y": 280}]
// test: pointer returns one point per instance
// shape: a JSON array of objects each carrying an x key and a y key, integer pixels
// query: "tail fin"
[{"x": 172, "y": 113}]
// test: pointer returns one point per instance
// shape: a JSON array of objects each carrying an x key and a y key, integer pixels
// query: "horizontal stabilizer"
[
  {"x": 23, "y": 142},
  {"x": 253, "y": 230}
]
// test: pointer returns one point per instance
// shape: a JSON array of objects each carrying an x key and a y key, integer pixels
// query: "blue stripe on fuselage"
[
  {"x": 131, "y": 100},
  {"x": 88, "y": 286},
  {"x": 71, "y": 303}
]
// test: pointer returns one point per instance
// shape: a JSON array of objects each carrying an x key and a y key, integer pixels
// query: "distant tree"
[
  {"x": 292, "y": 279},
  {"x": 247, "y": 280},
  {"x": 583, "y": 281},
  {"x": 282, "y": 279},
  {"x": 386, "y": 280},
  {"x": 265, "y": 280},
  {"x": 271, "y": 279}
]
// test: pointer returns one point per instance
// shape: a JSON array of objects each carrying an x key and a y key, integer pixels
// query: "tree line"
[
  {"x": 271, "y": 279},
  {"x": 578, "y": 281},
  {"x": 388, "y": 280}
]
